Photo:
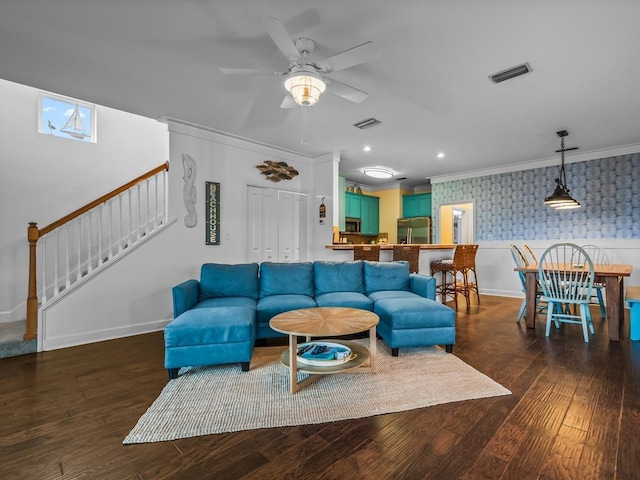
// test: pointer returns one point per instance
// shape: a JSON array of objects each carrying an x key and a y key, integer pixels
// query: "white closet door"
[
  {"x": 262, "y": 224},
  {"x": 270, "y": 225},
  {"x": 275, "y": 225},
  {"x": 286, "y": 222}
]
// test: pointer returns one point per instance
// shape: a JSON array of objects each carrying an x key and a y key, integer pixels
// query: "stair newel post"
[
  {"x": 165, "y": 217},
  {"x": 32, "y": 298}
]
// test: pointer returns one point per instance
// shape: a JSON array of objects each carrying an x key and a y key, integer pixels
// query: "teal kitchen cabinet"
[
  {"x": 418, "y": 205},
  {"x": 370, "y": 214},
  {"x": 352, "y": 205}
]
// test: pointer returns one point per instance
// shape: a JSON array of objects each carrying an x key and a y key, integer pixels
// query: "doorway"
[{"x": 457, "y": 223}]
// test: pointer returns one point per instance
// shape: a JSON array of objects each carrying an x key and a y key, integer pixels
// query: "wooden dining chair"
[
  {"x": 566, "y": 277},
  {"x": 410, "y": 253},
  {"x": 529, "y": 255},
  {"x": 599, "y": 257},
  {"x": 366, "y": 252},
  {"x": 521, "y": 261}
]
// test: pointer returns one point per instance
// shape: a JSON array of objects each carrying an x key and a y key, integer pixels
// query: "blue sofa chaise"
[{"x": 218, "y": 318}]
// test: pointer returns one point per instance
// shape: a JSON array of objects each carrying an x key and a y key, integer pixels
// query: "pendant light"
[{"x": 560, "y": 198}]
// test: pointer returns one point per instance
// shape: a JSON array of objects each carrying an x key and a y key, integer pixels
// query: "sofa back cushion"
[
  {"x": 380, "y": 276},
  {"x": 286, "y": 279},
  {"x": 333, "y": 277},
  {"x": 221, "y": 280}
]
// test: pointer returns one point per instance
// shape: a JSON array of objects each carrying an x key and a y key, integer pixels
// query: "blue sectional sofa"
[{"x": 218, "y": 319}]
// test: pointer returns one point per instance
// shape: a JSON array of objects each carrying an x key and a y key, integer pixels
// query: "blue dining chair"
[
  {"x": 521, "y": 261},
  {"x": 566, "y": 277},
  {"x": 599, "y": 257}
]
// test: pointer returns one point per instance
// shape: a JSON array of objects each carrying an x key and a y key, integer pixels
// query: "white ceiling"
[{"x": 429, "y": 86}]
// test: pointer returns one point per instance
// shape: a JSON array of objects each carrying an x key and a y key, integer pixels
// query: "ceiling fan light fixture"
[
  {"x": 305, "y": 87},
  {"x": 378, "y": 172}
]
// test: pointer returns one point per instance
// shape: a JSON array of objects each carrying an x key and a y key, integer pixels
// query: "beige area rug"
[{"x": 221, "y": 398}]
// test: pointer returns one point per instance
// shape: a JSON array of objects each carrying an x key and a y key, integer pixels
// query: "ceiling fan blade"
[
  {"x": 280, "y": 37},
  {"x": 349, "y": 58},
  {"x": 249, "y": 71},
  {"x": 288, "y": 102},
  {"x": 347, "y": 91}
]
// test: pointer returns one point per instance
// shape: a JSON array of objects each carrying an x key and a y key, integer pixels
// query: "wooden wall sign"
[{"x": 213, "y": 213}]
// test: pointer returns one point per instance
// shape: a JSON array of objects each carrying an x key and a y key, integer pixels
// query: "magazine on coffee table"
[{"x": 324, "y": 354}]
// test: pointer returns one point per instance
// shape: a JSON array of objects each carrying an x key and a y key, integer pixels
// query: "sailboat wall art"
[{"x": 67, "y": 118}]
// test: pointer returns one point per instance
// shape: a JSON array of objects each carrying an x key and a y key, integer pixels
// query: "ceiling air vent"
[
  {"x": 510, "y": 73},
  {"x": 369, "y": 122}
]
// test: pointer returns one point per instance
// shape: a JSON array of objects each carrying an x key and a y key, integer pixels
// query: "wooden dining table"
[{"x": 612, "y": 276}]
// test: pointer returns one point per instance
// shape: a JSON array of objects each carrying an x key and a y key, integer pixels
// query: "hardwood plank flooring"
[{"x": 574, "y": 413}]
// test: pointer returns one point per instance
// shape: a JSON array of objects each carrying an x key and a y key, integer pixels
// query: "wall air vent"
[
  {"x": 510, "y": 73},
  {"x": 369, "y": 122}
]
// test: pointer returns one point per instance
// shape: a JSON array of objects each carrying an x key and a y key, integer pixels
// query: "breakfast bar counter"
[
  {"x": 428, "y": 253},
  {"x": 389, "y": 246}
]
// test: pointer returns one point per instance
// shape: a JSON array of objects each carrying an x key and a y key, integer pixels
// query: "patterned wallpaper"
[{"x": 509, "y": 205}]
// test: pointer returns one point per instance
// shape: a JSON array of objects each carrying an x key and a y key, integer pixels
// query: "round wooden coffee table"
[{"x": 326, "y": 322}]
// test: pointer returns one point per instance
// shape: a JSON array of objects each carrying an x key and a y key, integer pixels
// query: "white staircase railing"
[{"x": 86, "y": 240}]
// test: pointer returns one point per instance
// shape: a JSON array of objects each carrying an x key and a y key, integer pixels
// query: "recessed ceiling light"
[
  {"x": 366, "y": 148},
  {"x": 440, "y": 155},
  {"x": 378, "y": 172}
]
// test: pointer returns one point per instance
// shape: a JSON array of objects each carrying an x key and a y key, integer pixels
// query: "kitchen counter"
[
  {"x": 389, "y": 246},
  {"x": 428, "y": 253}
]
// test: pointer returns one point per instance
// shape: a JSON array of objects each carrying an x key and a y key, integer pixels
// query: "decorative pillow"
[
  {"x": 221, "y": 280},
  {"x": 338, "y": 277},
  {"x": 380, "y": 276},
  {"x": 286, "y": 279}
]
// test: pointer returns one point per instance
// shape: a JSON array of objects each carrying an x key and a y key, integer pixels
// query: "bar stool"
[
  {"x": 470, "y": 268},
  {"x": 366, "y": 252},
  {"x": 449, "y": 270},
  {"x": 410, "y": 253}
]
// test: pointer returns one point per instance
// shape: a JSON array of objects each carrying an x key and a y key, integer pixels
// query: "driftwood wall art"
[
  {"x": 189, "y": 190},
  {"x": 277, "y": 171}
]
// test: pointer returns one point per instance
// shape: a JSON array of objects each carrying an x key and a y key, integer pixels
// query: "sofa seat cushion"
[
  {"x": 221, "y": 280},
  {"x": 412, "y": 313},
  {"x": 345, "y": 299},
  {"x": 286, "y": 279},
  {"x": 227, "y": 302},
  {"x": 384, "y": 294},
  {"x": 338, "y": 277},
  {"x": 386, "y": 276},
  {"x": 268, "y": 307},
  {"x": 205, "y": 326}
]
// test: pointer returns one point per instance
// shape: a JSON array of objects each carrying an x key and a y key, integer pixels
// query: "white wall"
[
  {"x": 43, "y": 178},
  {"x": 134, "y": 296}
]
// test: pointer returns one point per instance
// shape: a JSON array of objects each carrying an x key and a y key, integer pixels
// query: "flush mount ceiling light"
[
  {"x": 560, "y": 198},
  {"x": 378, "y": 172},
  {"x": 440, "y": 155},
  {"x": 366, "y": 148},
  {"x": 305, "y": 86}
]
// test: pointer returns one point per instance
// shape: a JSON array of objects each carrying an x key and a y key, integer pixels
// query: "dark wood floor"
[{"x": 574, "y": 413}]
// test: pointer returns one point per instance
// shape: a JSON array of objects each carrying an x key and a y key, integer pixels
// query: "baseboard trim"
[{"x": 83, "y": 338}]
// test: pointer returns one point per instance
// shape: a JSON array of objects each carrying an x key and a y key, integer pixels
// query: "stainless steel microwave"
[{"x": 352, "y": 225}]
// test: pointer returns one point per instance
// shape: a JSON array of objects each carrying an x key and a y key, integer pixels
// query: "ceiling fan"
[{"x": 307, "y": 79}]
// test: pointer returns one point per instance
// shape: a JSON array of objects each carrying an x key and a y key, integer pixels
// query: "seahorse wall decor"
[
  {"x": 189, "y": 190},
  {"x": 276, "y": 171}
]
